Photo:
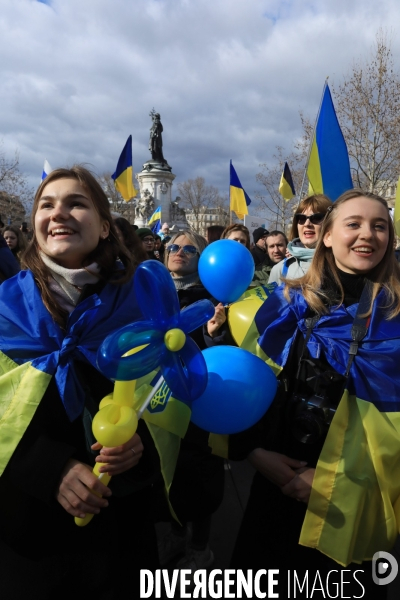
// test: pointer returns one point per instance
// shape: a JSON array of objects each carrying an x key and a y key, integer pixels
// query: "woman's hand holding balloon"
[
  {"x": 121, "y": 458},
  {"x": 219, "y": 318},
  {"x": 74, "y": 492}
]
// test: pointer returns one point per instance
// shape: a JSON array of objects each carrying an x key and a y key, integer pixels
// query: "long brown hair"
[
  {"x": 385, "y": 275},
  {"x": 105, "y": 254},
  {"x": 319, "y": 203},
  {"x": 21, "y": 241}
]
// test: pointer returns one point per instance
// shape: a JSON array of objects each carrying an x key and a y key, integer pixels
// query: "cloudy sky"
[{"x": 228, "y": 77}]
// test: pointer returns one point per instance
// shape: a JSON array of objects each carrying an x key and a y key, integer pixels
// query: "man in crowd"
[
  {"x": 259, "y": 251},
  {"x": 276, "y": 242}
]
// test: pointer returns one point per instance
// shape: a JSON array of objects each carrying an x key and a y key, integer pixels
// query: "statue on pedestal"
[{"x": 155, "y": 143}]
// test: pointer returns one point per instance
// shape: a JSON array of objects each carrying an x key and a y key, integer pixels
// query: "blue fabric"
[
  {"x": 234, "y": 180},
  {"x": 300, "y": 252},
  {"x": 125, "y": 160},
  {"x": 332, "y": 150},
  {"x": 29, "y": 333},
  {"x": 375, "y": 372}
]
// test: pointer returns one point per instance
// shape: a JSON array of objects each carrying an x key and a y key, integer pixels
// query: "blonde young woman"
[{"x": 326, "y": 494}]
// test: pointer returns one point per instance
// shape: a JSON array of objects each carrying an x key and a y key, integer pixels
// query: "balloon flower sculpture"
[{"x": 160, "y": 340}]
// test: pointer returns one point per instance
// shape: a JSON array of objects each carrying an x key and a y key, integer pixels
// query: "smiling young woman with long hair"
[
  {"x": 327, "y": 452},
  {"x": 53, "y": 318}
]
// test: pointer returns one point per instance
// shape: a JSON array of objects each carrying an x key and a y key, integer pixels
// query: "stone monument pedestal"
[{"x": 155, "y": 180}]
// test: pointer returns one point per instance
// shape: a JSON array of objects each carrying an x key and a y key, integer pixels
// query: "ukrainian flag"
[
  {"x": 328, "y": 168},
  {"x": 123, "y": 176},
  {"x": 354, "y": 507},
  {"x": 155, "y": 220},
  {"x": 286, "y": 185},
  {"x": 239, "y": 200}
]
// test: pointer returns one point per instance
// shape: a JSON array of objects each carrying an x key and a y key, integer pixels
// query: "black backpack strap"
[{"x": 360, "y": 324}]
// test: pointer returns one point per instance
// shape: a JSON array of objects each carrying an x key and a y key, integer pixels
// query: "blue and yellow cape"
[
  {"x": 354, "y": 507},
  {"x": 33, "y": 349}
]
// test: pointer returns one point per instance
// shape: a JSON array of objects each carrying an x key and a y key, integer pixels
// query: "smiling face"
[
  {"x": 67, "y": 225},
  {"x": 309, "y": 233},
  {"x": 180, "y": 263},
  {"x": 359, "y": 235},
  {"x": 11, "y": 239}
]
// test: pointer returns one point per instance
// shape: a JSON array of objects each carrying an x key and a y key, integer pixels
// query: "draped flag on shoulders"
[
  {"x": 286, "y": 185},
  {"x": 354, "y": 507},
  {"x": 328, "y": 169},
  {"x": 239, "y": 200},
  {"x": 46, "y": 169},
  {"x": 155, "y": 220},
  {"x": 34, "y": 349},
  {"x": 123, "y": 176}
]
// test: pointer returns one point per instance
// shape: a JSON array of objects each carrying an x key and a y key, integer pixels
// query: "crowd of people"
[{"x": 326, "y": 453}]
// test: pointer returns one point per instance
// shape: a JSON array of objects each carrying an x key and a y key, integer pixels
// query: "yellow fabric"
[
  {"x": 21, "y": 389},
  {"x": 314, "y": 170},
  {"x": 238, "y": 202},
  {"x": 174, "y": 418},
  {"x": 258, "y": 292},
  {"x": 124, "y": 184},
  {"x": 354, "y": 507},
  {"x": 219, "y": 444},
  {"x": 285, "y": 190}
]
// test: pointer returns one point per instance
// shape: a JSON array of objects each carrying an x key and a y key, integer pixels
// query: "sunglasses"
[
  {"x": 174, "y": 248},
  {"x": 148, "y": 240},
  {"x": 315, "y": 219}
]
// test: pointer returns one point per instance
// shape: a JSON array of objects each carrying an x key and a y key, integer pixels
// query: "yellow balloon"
[
  {"x": 241, "y": 315},
  {"x": 175, "y": 339},
  {"x": 114, "y": 425}
]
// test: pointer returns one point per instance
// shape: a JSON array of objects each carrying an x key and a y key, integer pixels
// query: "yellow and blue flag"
[
  {"x": 354, "y": 507},
  {"x": 286, "y": 185},
  {"x": 239, "y": 200},
  {"x": 123, "y": 176},
  {"x": 328, "y": 168},
  {"x": 155, "y": 220}
]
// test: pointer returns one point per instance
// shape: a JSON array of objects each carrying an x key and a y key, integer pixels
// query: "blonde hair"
[
  {"x": 385, "y": 275},
  {"x": 195, "y": 239}
]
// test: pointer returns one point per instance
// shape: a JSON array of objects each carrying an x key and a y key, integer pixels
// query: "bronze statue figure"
[{"x": 155, "y": 143}]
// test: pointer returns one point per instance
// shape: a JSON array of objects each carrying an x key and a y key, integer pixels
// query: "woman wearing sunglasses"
[
  {"x": 304, "y": 235},
  {"x": 197, "y": 489}
]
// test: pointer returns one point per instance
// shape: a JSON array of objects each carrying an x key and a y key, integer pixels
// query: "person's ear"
[{"x": 328, "y": 239}]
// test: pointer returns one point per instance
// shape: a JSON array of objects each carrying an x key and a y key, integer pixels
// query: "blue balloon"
[
  {"x": 183, "y": 368},
  {"x": 226, "y": 269},
  {"x": 240, "y": 389}
]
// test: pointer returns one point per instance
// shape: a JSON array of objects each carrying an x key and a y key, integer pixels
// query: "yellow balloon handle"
[
  {"x": 116, "y": 421},
  {"x": 105, "y": 478},
  {"x": 113, "y": 425}
]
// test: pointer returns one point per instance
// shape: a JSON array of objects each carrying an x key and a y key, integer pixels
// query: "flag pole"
[
  {"x": 229, "y": 194},
  {"x": 312, "y": 139}
]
